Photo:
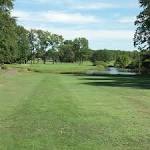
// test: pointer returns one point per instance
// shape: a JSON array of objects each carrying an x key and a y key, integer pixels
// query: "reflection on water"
[{"x": 113, "y": 71}]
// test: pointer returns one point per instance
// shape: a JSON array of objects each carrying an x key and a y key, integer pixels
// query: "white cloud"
[
  {"x": 30, "y": 20},
  {"x": 21, "y": 15},
  {"x": 78, "y": 18},
  {"x": 100, "y": 5},
  {"x": 113, "y": 39},
  {"x": 97, "y": 34},
  {"x": 103, "y": 5},
  {"x": 77, "y": 4},
  {"x": 127, "y": 19},
  {"x": 91, "y": 34},
  {"x": 56, "y": 17}
]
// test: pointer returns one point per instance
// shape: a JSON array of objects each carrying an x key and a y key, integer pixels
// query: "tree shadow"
[
  {"x": 126, "y": 80},
  {"x": 132, "y": 81}
]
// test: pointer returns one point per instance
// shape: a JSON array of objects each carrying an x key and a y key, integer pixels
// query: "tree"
[
  {"x": 6, "y": 6},
  {"x": 55, "y": 41},
  {"x": 81, "y": 46},
  {"x": 8, "y": 36},
  {"x": 103, "y": 55},
  {"x": 47, "y": 44},
  {"x": 33, "y": 44},
  {"x": 23, "y": 44},
  {"x": 42, "y": 39},
  {"x": 66, "y": 53},
  {"x": 122, "y": 61},
  {"x": 142, "y": 35},
  {"x": 145, "y": 62},
  {"x": 53, "y": 54}
]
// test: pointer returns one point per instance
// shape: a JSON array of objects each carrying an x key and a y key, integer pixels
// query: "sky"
[{"x": 105, "y": 23}]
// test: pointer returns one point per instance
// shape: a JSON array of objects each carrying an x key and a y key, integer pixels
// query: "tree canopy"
[{"x": 142, "y": 35}]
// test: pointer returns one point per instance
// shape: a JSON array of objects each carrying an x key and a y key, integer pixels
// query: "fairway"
[{"x": 59, "y": 110}]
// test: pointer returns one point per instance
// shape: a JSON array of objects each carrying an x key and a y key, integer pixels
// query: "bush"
[
  {"x": 29, "y": 69},
  {"x": 4, "y": 67},
  {"x": 133, "y": 65},
  {"x": 101, "y": 65},
  {"x": 97, "y": 63}
]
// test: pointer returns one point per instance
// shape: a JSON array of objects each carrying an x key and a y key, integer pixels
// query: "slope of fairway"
[{"x": 43, "y": 111}]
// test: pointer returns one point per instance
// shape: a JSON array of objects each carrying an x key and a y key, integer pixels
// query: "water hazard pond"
[{"x": 112, "y": 71}]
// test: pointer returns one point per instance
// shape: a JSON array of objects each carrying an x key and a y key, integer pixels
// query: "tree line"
[{"x": 116, "y": 58}]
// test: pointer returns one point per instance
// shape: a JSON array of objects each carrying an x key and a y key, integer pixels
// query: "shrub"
[
  {"x": 4, "y": 67},
  {"x": 101, "y": 65},
  {"x": 133, "y": 65},
  {"x": 97, "y": 63},
  {"x": 29, "y": 69}
]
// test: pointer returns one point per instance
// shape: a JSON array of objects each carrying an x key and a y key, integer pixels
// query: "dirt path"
[{"x": 10, "y": 72}]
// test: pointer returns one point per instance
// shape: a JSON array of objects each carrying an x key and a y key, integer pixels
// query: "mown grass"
[
  {"x": 56, "y": 68},
  {"x": 52, "y": 111}
]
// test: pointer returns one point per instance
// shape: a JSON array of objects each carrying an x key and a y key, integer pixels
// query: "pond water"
[{"x": 112, "y": 71}]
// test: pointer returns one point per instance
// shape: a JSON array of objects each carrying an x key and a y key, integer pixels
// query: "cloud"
[
  {"x": 91, "y": 34},
  {"x": 69, "y": 17},
  {"x": 76, "y": 18},
  {"x": 112, "y": 39},
  {"x": 21, "y": 15},
  {"x": 55, "y": 17},
  {"x": 42, "y": 19},
  {"x": 86, "y": 5},
  {"x": 99, "y": 5},
  {"x": 103, "y": 5},
  {"x": 127, "y": 19}
]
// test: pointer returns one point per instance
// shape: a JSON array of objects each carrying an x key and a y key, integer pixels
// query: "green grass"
[
  {"x": 52, "y": 111},
  {"x": 57, "y": 68}
]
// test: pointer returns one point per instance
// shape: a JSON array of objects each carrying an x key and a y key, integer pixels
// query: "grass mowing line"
[
  {"x": 43, "y": 116},
  {"x": 61, "y": 112}
]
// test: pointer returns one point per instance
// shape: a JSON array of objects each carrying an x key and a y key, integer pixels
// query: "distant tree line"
[
  {"x": 116, "y": 58},
  {"x": 47, "y": 46}
]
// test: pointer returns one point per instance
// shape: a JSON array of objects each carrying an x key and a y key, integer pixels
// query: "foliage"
[
  {"x": 3, "y": 67},
  {"x": 142, "y": 35},
  {"x": 145, "y": 59},
  {"x": 74, "y": 51},
  {"x": 101, "y": 65},
  {"x": 120, "y": 58},
  {"x": 8, "y": 37},
  {"x": 122, "y": 61},
  {"x": 23, "y": 44},
  {"x": 102, "y": 55}
]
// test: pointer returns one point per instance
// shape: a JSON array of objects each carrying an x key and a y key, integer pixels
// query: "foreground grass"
[{"x": 48, "y": 111}]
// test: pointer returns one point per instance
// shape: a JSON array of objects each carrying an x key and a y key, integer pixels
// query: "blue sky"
[{"x": 106, "y": 23}]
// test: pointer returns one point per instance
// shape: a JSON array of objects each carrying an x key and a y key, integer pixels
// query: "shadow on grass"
[
  {"x": 132, "y": 81},
  {"x": 142, "y": 82}
]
